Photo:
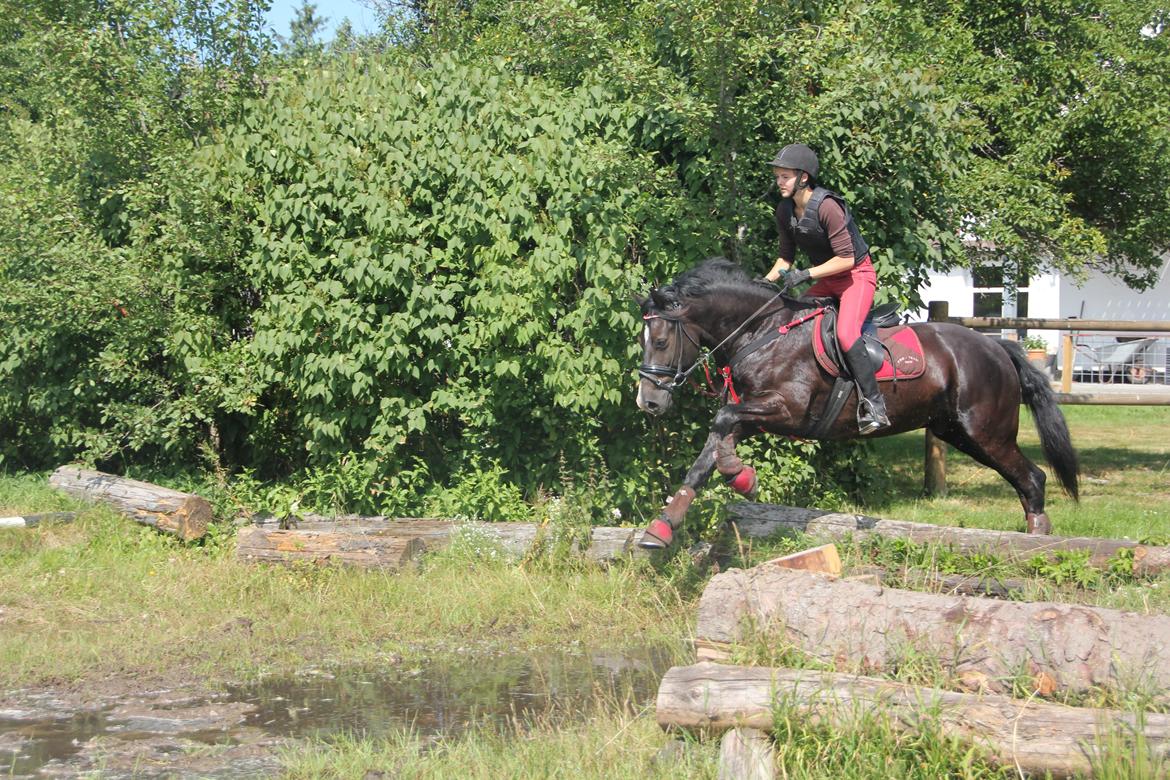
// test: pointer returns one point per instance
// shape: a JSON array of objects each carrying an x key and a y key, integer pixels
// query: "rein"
[{"x": 652, "y": 371}]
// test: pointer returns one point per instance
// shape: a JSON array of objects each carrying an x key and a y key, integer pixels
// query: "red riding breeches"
[{"x": 854, "y": 291}]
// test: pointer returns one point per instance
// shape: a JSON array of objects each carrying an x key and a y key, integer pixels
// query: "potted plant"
[{"x": 1037, "y": 349}]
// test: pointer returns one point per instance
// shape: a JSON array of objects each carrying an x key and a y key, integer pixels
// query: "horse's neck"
[{"x": 729, "y": 325}]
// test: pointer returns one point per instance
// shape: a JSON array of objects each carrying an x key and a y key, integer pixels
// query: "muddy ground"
[{"x": 180, "y": 727}]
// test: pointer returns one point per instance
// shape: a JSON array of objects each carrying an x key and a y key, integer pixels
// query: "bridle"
[{"x": 651, "y": 371}]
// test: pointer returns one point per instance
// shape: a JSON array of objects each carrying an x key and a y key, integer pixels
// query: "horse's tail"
[{"x": 1050, "y": 423}]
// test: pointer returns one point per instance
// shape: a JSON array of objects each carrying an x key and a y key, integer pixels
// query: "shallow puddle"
[{"x": 236, "y": 734}]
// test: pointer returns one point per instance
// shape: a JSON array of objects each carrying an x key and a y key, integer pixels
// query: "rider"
[{"x": 817, "y": 221}]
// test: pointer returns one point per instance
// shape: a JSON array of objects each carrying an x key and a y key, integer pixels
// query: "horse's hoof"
[
  {"x": 1039, "y": 523},
  {"x": 657, "y": 536}
]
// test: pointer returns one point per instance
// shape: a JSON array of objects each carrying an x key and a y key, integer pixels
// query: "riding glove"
[{"x": 795, "y": 277}]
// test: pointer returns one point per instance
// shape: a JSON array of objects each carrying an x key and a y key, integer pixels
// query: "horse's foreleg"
[
  {"x": 741, "y": 478},
  {"x": 718, "y": 453},
  {"x": 660, "y": 533}
]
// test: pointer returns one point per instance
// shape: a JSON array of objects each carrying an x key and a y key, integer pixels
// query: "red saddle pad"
[{"x": 901, "y": 341}]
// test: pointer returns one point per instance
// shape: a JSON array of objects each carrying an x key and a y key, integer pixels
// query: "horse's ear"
[{"x": 660, "y": 301}]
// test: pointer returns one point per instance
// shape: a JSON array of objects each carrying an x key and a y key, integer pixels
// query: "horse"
[{"x": 968, "y": 394}]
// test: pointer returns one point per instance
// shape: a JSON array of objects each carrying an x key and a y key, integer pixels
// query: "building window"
[{"x": 989, "y": 291}]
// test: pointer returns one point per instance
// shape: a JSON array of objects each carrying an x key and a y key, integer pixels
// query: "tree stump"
[{"x": 746, "y": 754}]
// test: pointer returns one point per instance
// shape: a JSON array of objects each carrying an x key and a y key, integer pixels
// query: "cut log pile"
[
  {"x": 763, "y": 520},
  {"x": 1032, "y": 735},
  {"x": 987, "y": 642},
  {"x": 986, "y": 646}
]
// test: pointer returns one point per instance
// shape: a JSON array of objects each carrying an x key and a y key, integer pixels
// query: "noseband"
[{"x": 678, "y": 376}]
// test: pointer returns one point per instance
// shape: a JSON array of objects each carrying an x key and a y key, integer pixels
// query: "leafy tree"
[
  {"x": 304, "y": 29},
  {"x": 435, "y": 255},
  {"x": 97, "y": 100},
  {"x": 1040, "y": 128},
  {"x": 1071, "y": 104}
]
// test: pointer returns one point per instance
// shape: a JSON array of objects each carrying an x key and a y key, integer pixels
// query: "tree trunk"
[
  {"x": 289, "y": 546},
  {"x": 323, "y": 538},
  {"x": 180, "y": 514},
  {"x": 760, "y": 520},
  {"x": 985, "y": 643},
  {"x": 1032, "y": 736}
]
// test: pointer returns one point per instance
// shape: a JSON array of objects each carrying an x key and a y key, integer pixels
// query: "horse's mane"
[
  {"x": 718, "y": 275},
  {"x": 714, "y": 273}
]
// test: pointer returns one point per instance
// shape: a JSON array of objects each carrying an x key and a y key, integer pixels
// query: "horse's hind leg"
[{"x": 1002, "y": 453}]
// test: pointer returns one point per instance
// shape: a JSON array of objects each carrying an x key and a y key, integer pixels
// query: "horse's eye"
[{"x": 659, "y": 343}]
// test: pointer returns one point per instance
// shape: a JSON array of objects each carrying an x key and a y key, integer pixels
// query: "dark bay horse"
[{"x": 969, "y": 394}]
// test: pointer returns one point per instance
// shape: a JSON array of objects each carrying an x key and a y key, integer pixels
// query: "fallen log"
[
  {"x": 184, "y": 515},
  {"x": 985, "y": 643},
  {"x": 32, "y": 521},
  {"x": 949, "y": 584},
  {"x": 1032, "y": 736},
  {"x": 274, "y": 545},
  {"x": 324, "y": 537},
  {"x": 762, "y": 520}
]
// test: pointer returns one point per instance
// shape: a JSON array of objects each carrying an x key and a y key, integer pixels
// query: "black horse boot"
[{"x": 871, "y": 406}]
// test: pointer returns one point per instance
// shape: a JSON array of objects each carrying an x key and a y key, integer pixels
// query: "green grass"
[
  {"x": 1125, "y": 479},
  {"x": 103, "y": 596},
  {"x": 609, "y": 742}
]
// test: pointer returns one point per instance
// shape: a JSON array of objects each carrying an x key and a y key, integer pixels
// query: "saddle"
[{"x": 893, "y": 348}]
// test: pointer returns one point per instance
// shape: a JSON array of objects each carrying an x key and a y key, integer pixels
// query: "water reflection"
[
  {"x": 446, "y": 696},
  {"x": 439, "y": 697}
]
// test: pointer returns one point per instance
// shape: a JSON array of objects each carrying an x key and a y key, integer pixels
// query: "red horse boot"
[
  {"x": 741, "y": 478},
  {"x": 744, "y": 483},
  {"x": 660, "y": 533}
]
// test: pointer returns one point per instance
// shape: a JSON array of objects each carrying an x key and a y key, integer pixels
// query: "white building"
[{"x": 1054, "y": 296}]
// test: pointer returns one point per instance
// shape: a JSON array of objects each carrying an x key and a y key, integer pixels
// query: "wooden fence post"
[
  {"x": 1066, "y": 364},
  {"x": 935, "y": 465}
]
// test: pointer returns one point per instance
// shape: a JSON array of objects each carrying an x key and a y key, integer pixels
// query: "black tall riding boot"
[{"x": 871, "y": 406}]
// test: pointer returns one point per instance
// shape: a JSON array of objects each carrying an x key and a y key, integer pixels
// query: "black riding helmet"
[{"x": 798, "y": 157}]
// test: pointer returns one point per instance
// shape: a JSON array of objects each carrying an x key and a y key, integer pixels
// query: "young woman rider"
[{"x": 818, "y": 222}]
